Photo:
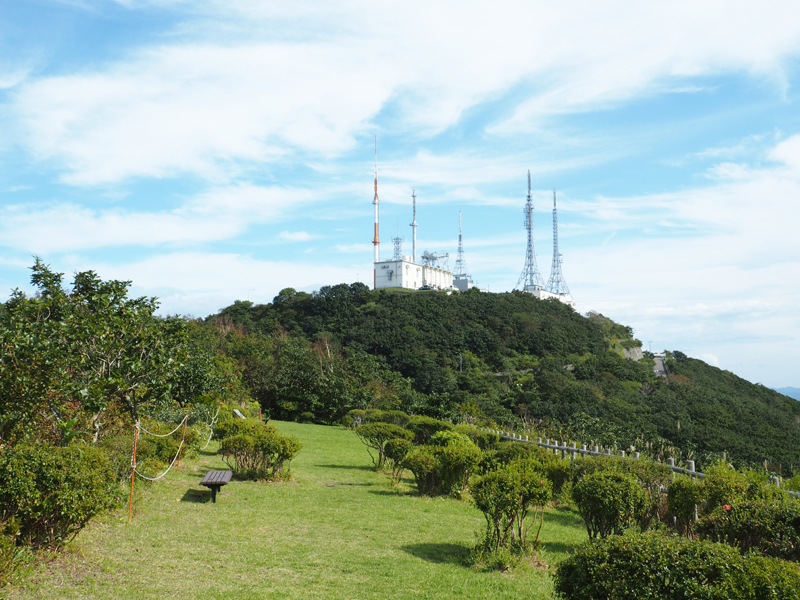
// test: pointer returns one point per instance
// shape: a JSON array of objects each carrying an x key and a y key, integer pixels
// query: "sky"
[{"x": 213, "y": 151}]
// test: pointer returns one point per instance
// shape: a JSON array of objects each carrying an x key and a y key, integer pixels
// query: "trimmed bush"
[
  {"x": 683, "y": 496},
  {"x": 445, "y": 466},
  {"x": 457, "y": 458},
  {"x": 375, "y": 435},
  {"x": 771, "y": 528},
  {"x": 723, "y": 485},
  {"x": 652, "y": 476},
  {"x": 395, "y": 452},
  {"x": 609, "y": 502},
  {"x": 421, "y": 461},
  {"x": 505, "y": 498},
  {"x": 423, "y": 428},
  {"x": 52, "y": 492},
  {"x": 485, "y": 440},
  {"x": 652, "y": 566},
  {"x": 258, "y": 451}
]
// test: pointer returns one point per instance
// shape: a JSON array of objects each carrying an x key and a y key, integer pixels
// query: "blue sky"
[{"x": 222, "y": 150}]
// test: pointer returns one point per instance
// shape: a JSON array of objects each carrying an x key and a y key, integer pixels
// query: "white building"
[
  {"x": 404, "y": 273},
  {"x": 543, "y": 294}
]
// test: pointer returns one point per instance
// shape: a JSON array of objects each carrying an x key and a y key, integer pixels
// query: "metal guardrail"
[{"x": 573, "y": 450}]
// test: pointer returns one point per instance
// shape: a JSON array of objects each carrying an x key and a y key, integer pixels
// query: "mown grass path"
[{"x": 338, "y": 530}]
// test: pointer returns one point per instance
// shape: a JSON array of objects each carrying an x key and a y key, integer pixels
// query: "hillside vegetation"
[{"x": 507, "y": 358}]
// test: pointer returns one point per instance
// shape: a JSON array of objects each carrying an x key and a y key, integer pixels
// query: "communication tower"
[
  {"x": 398, "y": 248},
  {"x": 530, "y": 279},
  {"x": 414, "y": 227},
  {"x": 461, "y": 279},
  {"x": 461, "y": 262},
  {"x": 556, "y": 283},
  {"x": 375, "y": 203}
]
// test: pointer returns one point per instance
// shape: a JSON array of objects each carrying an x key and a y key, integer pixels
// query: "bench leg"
[{"x": 214, "y": 493}]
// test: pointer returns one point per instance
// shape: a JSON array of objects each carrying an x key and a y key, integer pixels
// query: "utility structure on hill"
[
  {"x": 404, "y": 272},
  {"x": 556, "y": 284},
  {"x": 461, "y": 279},
  {"x": 531, "y": 280}
]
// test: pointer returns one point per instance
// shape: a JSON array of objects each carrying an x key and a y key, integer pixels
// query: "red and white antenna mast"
[{"x": 375, "y": 203}]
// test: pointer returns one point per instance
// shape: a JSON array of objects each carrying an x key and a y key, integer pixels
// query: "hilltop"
[{"x": 508, "y": 358}]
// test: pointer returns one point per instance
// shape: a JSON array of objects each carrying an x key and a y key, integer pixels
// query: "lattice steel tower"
[
  {"x": 530, "y": 279},
  {"x": 556, "y": 283},
  {"x": 461, "y": 262}
]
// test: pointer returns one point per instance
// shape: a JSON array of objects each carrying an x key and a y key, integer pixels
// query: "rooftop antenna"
[
  {"x": 414, "y": 227},
  {"x": 556, "y": 283},
  {"x": 461, "y": 262},
  {"x": 398, "y": 246},
  {"x": 530, "y": 279}
]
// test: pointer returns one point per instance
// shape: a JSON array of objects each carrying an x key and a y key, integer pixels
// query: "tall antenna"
[
  {"x": 530, "y": 279},
  {"x": 414, "y": 228},
  {"x": 375, "y": 203},
  {"x": 556, "y": 283},
  {"x": 461, "y": 262}
]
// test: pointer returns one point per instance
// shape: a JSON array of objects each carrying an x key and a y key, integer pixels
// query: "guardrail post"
[
  {"x": 622, "y": 453},
  {"x": 690, "y": 464},
  {"x": 572, "y": 454},
  {"x": 563, "y": 445},
  {"x": 636, "y": 455},
  {"x": 595, "y": 449}
]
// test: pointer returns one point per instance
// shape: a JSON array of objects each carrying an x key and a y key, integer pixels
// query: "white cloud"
[
  {"x": 304, "y": 76},
  {"x": 295, "y": 236},
  {"x": 201, "y": 283},
  {"x": 218, "y": 214}
]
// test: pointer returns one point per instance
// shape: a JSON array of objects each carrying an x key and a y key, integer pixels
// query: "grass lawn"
[{"x": 337, "y": 530}]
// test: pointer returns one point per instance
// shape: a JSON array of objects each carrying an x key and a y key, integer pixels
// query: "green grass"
[{"x": 337, "y": 530}]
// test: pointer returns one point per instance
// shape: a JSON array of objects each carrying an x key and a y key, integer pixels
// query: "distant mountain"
[
  {"x": 792, "y": 392},
  {"x": 508, "y": 357}
]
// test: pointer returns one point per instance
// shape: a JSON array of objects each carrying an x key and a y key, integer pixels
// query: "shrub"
[
  {"x": 395, "y": 452},
  {"x": 52, "y": 492},
  {"x": 652, "y": 476},
  {"x": 456, "y": 460},
  {"x": 653, "y": 566},
  {"x": 505, "y": 497},
  {"x": 422, "y": 463},
  {"x": 258, "y": 451},
  {"x": 423, "y": 428},
  {"x": 485, "y": 440},
  {"x": 771, "y": 528},
  {"x": 723, "y": 485},
  {"x": 395, "y": 417},
  {"x": 375, "y": 435},
  {"x": 608, "y": 502},
  {"x": 683, "y": 497},
  {"x": 445, "y": 466}
]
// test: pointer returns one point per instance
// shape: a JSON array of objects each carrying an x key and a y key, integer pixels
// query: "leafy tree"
[{"x": 66, "y": 353}]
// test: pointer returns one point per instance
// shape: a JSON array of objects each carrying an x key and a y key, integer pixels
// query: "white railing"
[{"x": 572, "y": 450}]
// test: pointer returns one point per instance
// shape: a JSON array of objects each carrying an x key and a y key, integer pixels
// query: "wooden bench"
[{"x": 215, "y": 480}]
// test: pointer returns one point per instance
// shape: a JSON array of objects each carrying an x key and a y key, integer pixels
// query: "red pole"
[
  {"x": 133, "y": 473},
  {"x": 183, "y": 437}
]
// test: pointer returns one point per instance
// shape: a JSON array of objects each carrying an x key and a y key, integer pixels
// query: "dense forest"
[{"x": 509, "y": 359}]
